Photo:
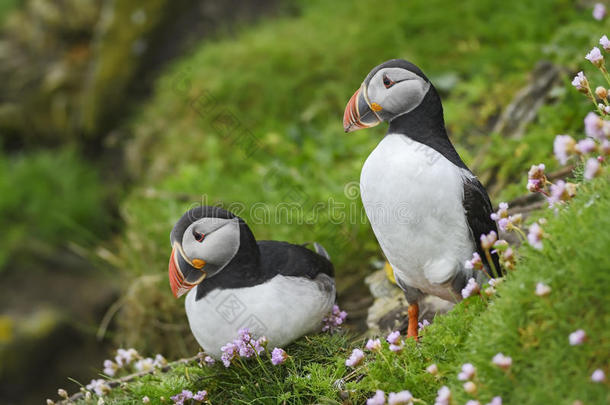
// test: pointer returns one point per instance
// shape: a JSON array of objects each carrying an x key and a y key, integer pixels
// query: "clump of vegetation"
[
  {"x": 529, "y": 324},
  {"x": 48, "y": 199}
]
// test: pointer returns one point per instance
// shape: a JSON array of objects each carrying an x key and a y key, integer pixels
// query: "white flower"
[
  {"x": 400, "y": 398},
  {"x": 598, "y": 375},
  {"x": 468, "y": 371},
  {"x": 577, "y": 337},
  {"x": 432, "y": 369},
  {"x": 542, "y": 289},
  {"x": 471, "y": 288},
  {"x": 443, "y": 396},
  {"x": 502, "y": 361},
  {"x": 146, "y": 364}
]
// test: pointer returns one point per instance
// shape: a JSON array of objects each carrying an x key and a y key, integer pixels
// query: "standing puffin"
[
  {"x": 275, "y": 289},
  {"x": 425, "y": 206}
]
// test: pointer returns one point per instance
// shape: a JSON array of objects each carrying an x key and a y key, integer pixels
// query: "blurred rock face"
[{"x": 71, "y": 67}]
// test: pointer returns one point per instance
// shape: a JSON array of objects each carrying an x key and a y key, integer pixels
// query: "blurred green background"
[{"x": 117, "y": 116}]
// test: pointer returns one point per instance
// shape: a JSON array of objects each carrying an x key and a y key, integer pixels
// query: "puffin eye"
[
  {"x": 199, "y": 237},
  {"x": 387, "y": 82}
]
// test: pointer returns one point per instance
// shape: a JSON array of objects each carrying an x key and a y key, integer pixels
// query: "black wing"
[
  {"x": 292, "y": 260},
  {"x": 478, "y": 214}
]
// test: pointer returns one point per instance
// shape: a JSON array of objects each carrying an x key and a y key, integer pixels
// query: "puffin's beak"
[
  {"x": 358, "y": 113},
  {"x": 183, "y": 275}
]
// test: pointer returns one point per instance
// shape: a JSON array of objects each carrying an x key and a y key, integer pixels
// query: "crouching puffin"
[
  {"x": 425, "y": 206},
  {"x": 276, "y": 289}
]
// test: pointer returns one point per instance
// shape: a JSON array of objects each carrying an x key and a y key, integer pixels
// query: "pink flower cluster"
[
  {"x": 244, "y": 347},
  {"x": 186, "y": 395},
  {"x": 394, "y": 398},
  {"x": 334, "y": 319}
]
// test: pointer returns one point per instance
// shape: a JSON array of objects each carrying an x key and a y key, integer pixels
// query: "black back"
[{"x": 255, "y": 263}]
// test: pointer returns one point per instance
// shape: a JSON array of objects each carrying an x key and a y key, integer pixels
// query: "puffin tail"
[{"x": 319, "y": 249}]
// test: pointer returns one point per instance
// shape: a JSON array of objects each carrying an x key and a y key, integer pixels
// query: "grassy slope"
[
  {"x": 287, "y": 81},
  {"x": 532, "y": 330}
]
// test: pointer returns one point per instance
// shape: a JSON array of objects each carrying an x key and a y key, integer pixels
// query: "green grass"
[
  {"x": 285, "y": 82},
  {"x": 6, "y": 6},
  {"x": 49, "y": 199},
  {"x": 532, "y": 330}
]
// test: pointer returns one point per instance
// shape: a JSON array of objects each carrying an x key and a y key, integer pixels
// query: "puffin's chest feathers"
[{"x": 413, "y": 197}]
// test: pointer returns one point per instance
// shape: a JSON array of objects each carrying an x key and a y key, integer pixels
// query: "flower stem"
[{"x": 492, "y": 265}]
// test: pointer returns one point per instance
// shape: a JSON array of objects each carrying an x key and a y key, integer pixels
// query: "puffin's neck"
[
  {"x": 243, "y": 270},
  {"x": 426, "y": 125}
]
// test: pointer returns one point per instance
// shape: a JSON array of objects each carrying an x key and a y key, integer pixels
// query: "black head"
[
  {"x": 392, "y": 89},
  {"x": 204, "y": 241}
]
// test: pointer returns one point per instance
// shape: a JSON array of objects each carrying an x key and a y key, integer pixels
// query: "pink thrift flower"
[
  {"x": 373, "y": 345},
  {"x": 471, "y": 288},
  {"x": 278, "y": 356},
  {"x": 443, "y": 396},
  {"x": 468, "y": 371},
  {"x": 472, "y": 402},
  {"x": 592, "y": 168},
  {"x": 146, "y": 364},
  {"x": 558, "y": 193},
  {"x": 421, "y": 325},
  {"x": 598, "y": 376},
  {"x": 501, "y": 213},
  {"x": 229, "y": 352},
  {"x": 585, "y": 146},
  {"x": 495, "y": 401},
  {"x": 488, "y": 240},
  {"x": 432, "y": 369},
  {"x": 400, "y": 398},
  {"x": 180, "y": 398},
  {"x": 200, "y": 396},
  {"x": 474, "y": 263},
  {"x": 594, "y": 126},
  {"x": 580, "y": 82},
  {"x": 536, "y": 179},
  {"x": 537, "y": 172},
  {"x": 542, "y": 289},
  {"x": 396, "y": 348},
  {"x": 209, "y": 361},
  {"x": 595, "y": 57},
  {"x": 394, "y": 337},
  {"x": 502, "y": 361},
  {"x": 110, "y": 368},
  {"x": 377, "y": 399},
  {"x": 355, "y": 359},
  {"x": 599, "y": 11},
  {"x": 98, "y": 386},
  {"x": 534, "y": 236},
  {"x": 577, "y": 337},
  {"x": 563, "y": 147},
  {"x": 334, "y": 319},
  {"x": 604, "y": 148}
]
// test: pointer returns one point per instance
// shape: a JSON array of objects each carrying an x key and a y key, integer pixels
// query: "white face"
[
  {"x": 397, "y": 91},
  {"x": 213, "y": 240}
]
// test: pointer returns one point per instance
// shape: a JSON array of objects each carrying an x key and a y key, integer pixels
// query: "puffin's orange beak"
[
  {"x": 358, "y": 113},
  {"x": 180, "y": 283}
]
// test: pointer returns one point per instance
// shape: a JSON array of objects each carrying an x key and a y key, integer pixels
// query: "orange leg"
[{"x": 413, "y": 318}]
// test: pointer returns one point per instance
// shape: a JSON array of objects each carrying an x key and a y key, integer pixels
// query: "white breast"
[
  {"x": 282, "y": 309},
  {"x": 413, "y": 198}
]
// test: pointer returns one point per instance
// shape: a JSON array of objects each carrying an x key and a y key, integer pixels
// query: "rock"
[{"x": 389, "y": 310}]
